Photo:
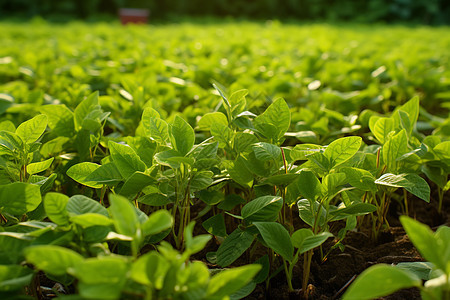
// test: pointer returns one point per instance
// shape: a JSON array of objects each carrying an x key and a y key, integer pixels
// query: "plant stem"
[
  {"x": 288, "y": 277},
  {"x": 405, "y": 197},
  {"x": 306, "y": 269},
  {"x": 441, "y": 197}
]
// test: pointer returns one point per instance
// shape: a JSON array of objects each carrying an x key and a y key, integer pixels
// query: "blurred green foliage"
[{"x": 421, "y": 11}]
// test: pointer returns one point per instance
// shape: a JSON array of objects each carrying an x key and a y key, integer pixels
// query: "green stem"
[
  {"x": 441, "y": 197},
  {"x": 306, "y": 270},
  {"x": 288, "y": 277},
  {"x": 405, "y": 197}
]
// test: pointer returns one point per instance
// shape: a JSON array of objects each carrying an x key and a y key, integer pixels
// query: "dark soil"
[{"x": 329, "y": 279}]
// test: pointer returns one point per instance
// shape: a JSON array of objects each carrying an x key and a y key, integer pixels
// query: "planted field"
[{"x": 216, "y": 161}]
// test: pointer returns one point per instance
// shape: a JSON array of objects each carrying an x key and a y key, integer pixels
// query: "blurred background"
[{"x": 433, "y": 12}]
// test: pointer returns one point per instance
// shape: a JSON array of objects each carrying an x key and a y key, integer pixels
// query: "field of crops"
[{"x": 224, "y": 161}]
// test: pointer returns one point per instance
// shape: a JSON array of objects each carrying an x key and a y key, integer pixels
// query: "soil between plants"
[{"x": 329, "y": 279}]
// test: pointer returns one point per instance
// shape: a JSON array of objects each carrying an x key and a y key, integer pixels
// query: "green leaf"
[
  {"x": 277, "y": 116},
  {"x": 154, "y": 126},
  {"x": 354, "y": 209},
  {"x": 360, "y": 179},
  {"x": 265, "y": 208},
  {"x": 60, "y": 119},
  {"x": 201, "y": 180},
  {"x": 101, "y": 278},
  {"x": 305, "y": 240},
  {"x": 229, "y": 281},
  {"x": 135, "y": 183},
  {"x": 239, "y": 172},
  {"x": 19, "y": 198},
  {"x": 308, "y": 185},
  {"x": 265, "y": 151},
  {"x": 303, "y": 151},
  {"x": 124, "y": 215},
  {"x": 380, "y": 280},
  {"x": 14, "y": 277},
  {"x": 413, "y": 183},
  {"x": 181, "y": 135},
  {"x": 38, "y": 167},
  {"x": 341, "y": 150},
  {"x": 30, "y": 131},
  {"x": 81, "y": 171},
  {"x": 91, "y": 219},
  {"x": 157, "y": 222},
  {"x": 430, "y": 247},
  {"x": 221, "y": 133},
  {"x": 233, "y": 247},
  {"x": 393, "y": 149},
  {"x": 84, "y": 108},
  {"x": 150, "y": 269},
  {"x": 55, "y": 207},
  {"x": 381, "y": 128},
  {"x": 215, "y": 225},
  {"x": 53, "y": 260},
  {"x": 194, "y": 244},
  {"x": 107, "y": 173},
  {"x": 308, "y": 213},
  {"x": 79, "y": 204},
  {"x": 277, "y": 238},
  {"x": 281, "y": 179},
  {"x": 209, "y": 119},
  {"x": 125, "y": 159}
]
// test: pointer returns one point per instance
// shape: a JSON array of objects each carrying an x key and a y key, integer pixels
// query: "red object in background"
[{"x": 133, "y": 15}]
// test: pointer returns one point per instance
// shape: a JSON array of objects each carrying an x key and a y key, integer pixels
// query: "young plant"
[{"x": 381, "y": 280}]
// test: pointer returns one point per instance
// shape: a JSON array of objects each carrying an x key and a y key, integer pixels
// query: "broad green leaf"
[
  {"x": 194, "y": 244},
  {"x": 360, "y": 178},
  {"x": 215, "y": 225},
  {"x": 81, "y": 171},
  {"x": 144, "y": 148},
  {"x": 14, "y": 277},
  {"x": 60, "y": 119},
  {"x": 305, "y": 240},
  {"x": 84, "y": 108},
  {"x": 233, "y": 247},
  {"x": 243, "y": 142},
  {"x": 341, "y": 150},
  {"x": 354, "y": 209},
  {"x": 308, "y": 213},
  {"x": 413, "y": 183},
  {"x": 281, "y": 179},
  {"x": 79, "y": 204},
  {"x": 19, "y": 198},
  {"x": 91, "y": 219},
  {"x": 393, "y": 149},
  {"x": 382, "y": 128},
  {"x": 299, "y": 236},
  {"x": 265, "y": 208},
  {"x": 201, "y": 180},
  {"x": 53, "y": 260},
  {"x": 38, "y": 167},
  {"x": 101, "y": 278},
  {"x": 124, "y": 215},
  {"x": 276, "y": 115},
  {"x": 277, "y": 238},
  {"x": 55, "y": 207},
  {"x": 30, "y": 131},
  {"x": 10, "y": 140},
  {"x": 135, "y": 183},
  {"x": 421, "y": 269},
  {"x": 107, "y": 173},
  {"x": 125, "y": 159},
  {"x": 239, "y": 172},
  {"x": 150, "y": 269},
  {"x": 265, "y": 151},
  {"x": 303, "y": 151},
  {"x": 157, "y": 222},
  {"x": 181, "y": 135},
  {"x": 308, "y": 185},
  {"x": 430, "y": 247},
  {"x": 208, "y": 119},
  {"x": 411, "y": 108},
  {"x": 380, "y": 280},
  {"x": 221, "y": 133},
  {"x": 230, "y": 281},
  {"x": 154, "y": 199},
  {"x": 154, "y": 126}
]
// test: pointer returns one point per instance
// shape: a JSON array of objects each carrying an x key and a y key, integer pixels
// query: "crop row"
[{"x": 101, "y": 191}]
